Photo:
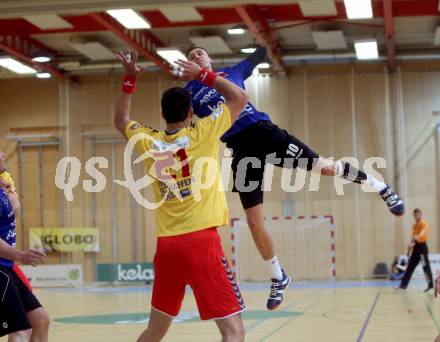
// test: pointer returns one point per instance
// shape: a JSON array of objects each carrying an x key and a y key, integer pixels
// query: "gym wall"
[{"x": 337, "y": 111}]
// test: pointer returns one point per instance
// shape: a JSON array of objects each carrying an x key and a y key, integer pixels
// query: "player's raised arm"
[
  {"x": 247, "y": 66},
  {"x": 236, "y": 98},
  {"x": 257, "y": 56},
  {"x": 253, "y": 60},
  {"x": 132, "y": 71}
]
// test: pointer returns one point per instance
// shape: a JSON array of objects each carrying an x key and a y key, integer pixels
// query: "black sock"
[{"x": 351, "y": 173}]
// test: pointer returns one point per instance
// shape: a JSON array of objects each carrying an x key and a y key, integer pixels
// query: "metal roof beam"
[
  {"x": 144, "y": 42},
  {"x": 263, "y": 34},
  {"x": 20, "y": 47},
  {"x": 390, "y": 35}
]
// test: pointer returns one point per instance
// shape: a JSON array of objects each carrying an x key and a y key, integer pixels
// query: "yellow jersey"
[
  {"x": 186, "y": 173},
  {"x": 7, "y": 177}
]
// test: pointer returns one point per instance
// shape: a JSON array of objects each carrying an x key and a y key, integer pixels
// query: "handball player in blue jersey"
[
  {"x": 20, "y": 310},
  {"x": 254, "y": 135}
]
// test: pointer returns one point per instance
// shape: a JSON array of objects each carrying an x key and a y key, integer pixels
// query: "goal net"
[{"x": 305, "y": 247}]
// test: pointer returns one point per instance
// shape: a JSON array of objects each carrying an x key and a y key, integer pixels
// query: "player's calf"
[
  {"x": 231, "y": 328},
  {"x": 40, "y": 322},
  {"x": 20, "y": 336},
  {"x": 157, "y": 327}
]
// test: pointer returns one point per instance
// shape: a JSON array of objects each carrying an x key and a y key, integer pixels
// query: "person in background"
[
  {"x": 40, "y": 319},
  {"x": 419, "y": 252},
  {"x": 20, "y": 310},
  {"x": 398, "y": 267}
]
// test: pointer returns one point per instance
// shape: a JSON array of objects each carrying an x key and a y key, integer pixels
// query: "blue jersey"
[
  {"x": 206, "y": 99},
  {"x": 7, "y": 225}
]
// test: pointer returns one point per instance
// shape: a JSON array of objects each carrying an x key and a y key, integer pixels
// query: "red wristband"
[
  {"x": 207, "y": 77},
  {"x": 129, "y": 84}
]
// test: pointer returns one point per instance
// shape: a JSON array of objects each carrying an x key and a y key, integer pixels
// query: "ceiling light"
[
  {"x": 248, "y": 50},
  {"x": 129, "y": 19},
  {"x": 43, "y": 75},
  {"x": 170, "y": 54},
  {"x": 366, "y": 50},
  {"x": 41, "y": 59},
  {"x": 235, "y": 31},
  {"x": 358, "y": 9},
  {"x": 263, "y": 66},
  {"x": 15, "y": 66}
]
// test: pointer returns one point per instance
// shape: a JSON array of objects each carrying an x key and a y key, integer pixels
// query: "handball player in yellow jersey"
[{"x": 189, "y": 250}]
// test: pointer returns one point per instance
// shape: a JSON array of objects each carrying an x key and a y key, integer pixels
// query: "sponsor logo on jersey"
[
  {"x": 185, "y": 192},
  {"x": 135, "y": 126},
  {"x": 208, "y": 96},
  {"x": 217, "y": 112},
  {"x": 160, "y": 145},
  {"x": 199, "y": 92}
]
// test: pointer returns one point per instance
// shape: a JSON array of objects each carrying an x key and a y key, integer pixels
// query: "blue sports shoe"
[
  {"x": 393, "y": 201},
  {"x": 277, "y": 291}
]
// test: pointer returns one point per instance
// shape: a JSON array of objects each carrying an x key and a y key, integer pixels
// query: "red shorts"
[{"x": 195, "y": 259}]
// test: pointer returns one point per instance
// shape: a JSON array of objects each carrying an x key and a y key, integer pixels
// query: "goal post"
[{"x": 305, "y": 246}]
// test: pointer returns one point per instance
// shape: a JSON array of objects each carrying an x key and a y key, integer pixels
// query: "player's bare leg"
[
  {"x": 20, "y": 336},
  {"x": 157, "y": 327},
  {"x": 261, "y": 237},
  {"x": 231, "y": 328},
  {"x": 263, "y": 241},
  {"x": 40, "y": 322}
]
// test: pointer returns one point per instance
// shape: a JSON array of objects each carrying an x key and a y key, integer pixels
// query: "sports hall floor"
[{"x": 342, "y": 311}]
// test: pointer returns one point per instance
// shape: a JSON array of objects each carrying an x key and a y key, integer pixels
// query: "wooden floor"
[{"x": 369, "y": 311}]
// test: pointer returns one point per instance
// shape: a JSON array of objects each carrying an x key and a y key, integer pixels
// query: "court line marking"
[
  {"x": 431, "y": 314},
  {"x": 291, "y": 319},
  {"x": 365, "y": 325},
  {"x": 60, "y": 326}
]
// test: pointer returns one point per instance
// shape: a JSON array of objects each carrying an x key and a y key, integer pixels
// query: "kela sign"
[{"x": 129, "y": 272}]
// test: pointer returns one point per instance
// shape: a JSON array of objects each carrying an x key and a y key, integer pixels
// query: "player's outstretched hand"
[
  {"x": 128, "y": 59},
  {"x": 437, "y": 286},
  {"x": 186, "y": 70},
  {"x": 32, "y": 257}
]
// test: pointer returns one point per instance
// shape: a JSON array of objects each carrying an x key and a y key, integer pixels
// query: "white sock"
[
  {"x": 376, "y": 184},
  {"x": 275, "y": 268}
]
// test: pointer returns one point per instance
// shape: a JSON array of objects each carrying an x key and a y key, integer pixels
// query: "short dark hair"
[
  {"x": 417, "y": 210},
  {"x": 192, "y": 47},
  {"x": 175, "y": 103}
]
